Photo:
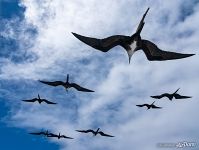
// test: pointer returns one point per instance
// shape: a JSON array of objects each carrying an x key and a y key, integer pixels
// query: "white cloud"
[{"x": 117, "y": 84}]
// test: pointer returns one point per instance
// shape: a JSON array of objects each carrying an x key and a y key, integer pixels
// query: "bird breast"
[{"x": 133, "y": 45}]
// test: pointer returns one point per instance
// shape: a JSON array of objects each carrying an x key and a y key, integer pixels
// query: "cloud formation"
[{"x": 45, "y": 36}]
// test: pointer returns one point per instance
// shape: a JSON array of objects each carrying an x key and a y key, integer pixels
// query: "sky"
[{"x": 36, "y": 44}]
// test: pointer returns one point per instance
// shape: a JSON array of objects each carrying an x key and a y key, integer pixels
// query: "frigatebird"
[
  {"x": 171, "y": 96},
  {"x": 39, "y": 100},
  {"x": 59, "y": 136},
  {"x": 132, "y": 44},
  {"x": 95, "y": 132},
  {"x": 46, "y": 133},
  {"x": 149, "y": 106},
  {"x": 66, "y": 85}
]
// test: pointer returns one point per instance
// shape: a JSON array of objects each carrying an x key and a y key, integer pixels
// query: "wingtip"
[
  {"x": 153, "y": 97},
  {"x": 75, "y": 34}
]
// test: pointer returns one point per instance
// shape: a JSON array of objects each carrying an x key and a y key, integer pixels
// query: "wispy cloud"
[{"x": 44, "y": 34}]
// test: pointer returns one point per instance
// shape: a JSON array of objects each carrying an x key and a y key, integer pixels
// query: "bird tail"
[
  {"x": 141, "y": 24},
  {"x": 176, "y": 91},
  {"x": 67, "y": 80}
]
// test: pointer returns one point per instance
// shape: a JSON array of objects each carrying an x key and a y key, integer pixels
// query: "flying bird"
[
  {"x": 39, "y": 100},
  {"x": 171, "y": 96},
  {"x": 132, "y": 44},
  {"x": 149, "y": 106},
  {"x": 59, "y": 136},
  {"x": 95, "y": 132},
  {"x": 40, "y": 133},
  {"x": 66, "y": 85}
]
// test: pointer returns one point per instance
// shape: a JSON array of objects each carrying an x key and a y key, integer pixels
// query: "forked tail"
[{"x": 141, "y": 24}]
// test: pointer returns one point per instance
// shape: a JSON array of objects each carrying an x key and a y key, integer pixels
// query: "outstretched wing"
[
  {"x": 157, "y": 96},
  {"x": 153, "y": 53},
  {"x": 55, "y": 83},
  {"x": 79, "y": 88},
  {"x": 66, "y": 137},
  {"x": 155, "y": 107},
  {"x": 103, "y": 45},
  {"x": 52, "y": 135},
  {"x": 38, "y": 133},
  {"x": 103, "y": 134},
  {"x": 30, "y": 100},
  {"x": 85, "y": 131},
  {"x": 178, "y": 96},
  {"x": 48, "y": 102},
  {"x": 141, "y": 105}
]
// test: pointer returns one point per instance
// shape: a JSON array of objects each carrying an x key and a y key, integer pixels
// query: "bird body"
[
  {"x": 149, "y": 106},
  {"x": 39, "y": 100},
  {"x": 95, "y": 132},
  {"x": 66, "y": 85},
  {"x": 171, "y": 96},
  {"x": 132, "y": 44}
]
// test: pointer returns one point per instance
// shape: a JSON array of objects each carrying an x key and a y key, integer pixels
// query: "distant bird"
[
  {"x": 132, "y": 44},
  {"x": 40, "y": 133},
  {"x": 171, "y": 96},
  {"x": 59, "y": 136},
  {"x": 95, "y": 132},
  {"x": 149, "y": 106},
  {"x": 39, "y": 100},
  {"x": 67, "y": 85}
]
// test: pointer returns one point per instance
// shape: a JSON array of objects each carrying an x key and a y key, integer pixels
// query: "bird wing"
[
  {"x": 103, "y": 134},
  {"x": 38, "y": 133},
  {"x": 52, "y": 135},
  {"x": 48, "y": 102},
  {"x": 157, "y": 96},
  {"x": 178, "y": 96},
  {"x": 103, "y": 45},
  {"x": 79, "y": 88},
  {"x": 141, "y": 105},
  {"x": 66, "y": 137},
  {"x": 86, "y": 131},
  {"x": 153, "y": 53},
  {"x": 163, "y": 95},
  {"x": 156, "y": 107},
  {"x": 30, "y": 100},
  {"x": 55, "y": 83}
]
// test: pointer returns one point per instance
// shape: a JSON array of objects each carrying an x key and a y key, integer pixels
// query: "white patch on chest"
[{"x": 133, "y": 45}]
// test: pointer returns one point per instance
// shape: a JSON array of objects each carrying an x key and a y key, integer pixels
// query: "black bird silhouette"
[
  {"x": 67, "y": 85},
  {"x": 132, "y": 44},
  {"x": 40, "y": 133},
  {"x": 171, "y": 96},
  {"x": 39, "y": 100},
  {"x": 95, "y": 132},
  {"x": 149, "y": 106},
  {"x": 59, "y": 136}
]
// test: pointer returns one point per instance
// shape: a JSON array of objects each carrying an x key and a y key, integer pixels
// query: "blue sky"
[
  {"x": 12, "y": 137},
  {"x": 37, "y": 44}
]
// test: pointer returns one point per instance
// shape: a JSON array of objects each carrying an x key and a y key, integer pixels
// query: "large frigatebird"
[
  {"x": 149, "y": 106},
  {"x": 66, "y": 85},
  {"x": 59, "y": 136},
  {"x": 132, "y": 44},
  {"x": 171, "y": 96},
  {"x": 39, "y": 100},
  {"x": 95, "y": 132}
]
